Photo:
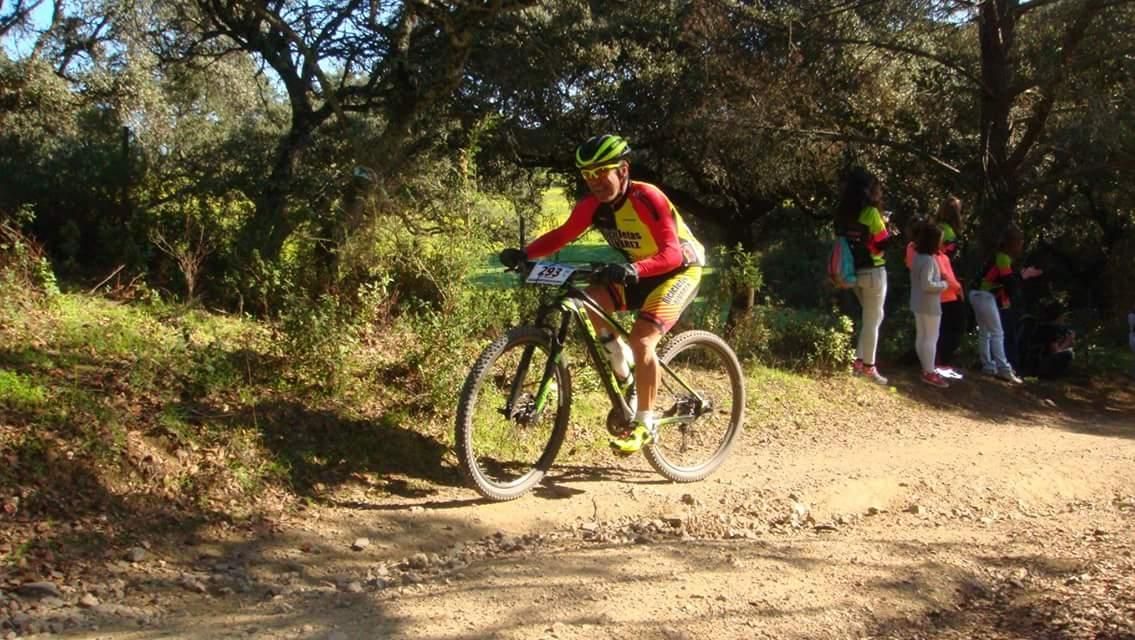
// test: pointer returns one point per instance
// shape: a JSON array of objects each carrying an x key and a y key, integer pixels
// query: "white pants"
[
  {"x": 990, "y": 335},
  {"x": 926, "y": 339},
  {"x": 871, "y": 290}
]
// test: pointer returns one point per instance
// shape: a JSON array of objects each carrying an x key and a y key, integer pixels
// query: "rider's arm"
[
  {"x": 658, "y": 218},
  {"x": 571, "y": 229}
]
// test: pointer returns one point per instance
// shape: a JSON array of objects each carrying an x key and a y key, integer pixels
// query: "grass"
[
  {"x": 20, "y": 392},
  {"x": 108, "y": 406}
]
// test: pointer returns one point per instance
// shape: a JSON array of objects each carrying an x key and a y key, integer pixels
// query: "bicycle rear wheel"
[
  {"x": 690, "y": 449},
  {"x": 505, "y": 444}
]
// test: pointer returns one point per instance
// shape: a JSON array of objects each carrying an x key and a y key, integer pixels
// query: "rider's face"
[{"x": 606, "y": 185}]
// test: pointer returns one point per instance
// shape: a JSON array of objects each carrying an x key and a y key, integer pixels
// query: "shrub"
[
  {"x": 23, "y": 262},
  {"x": 796, "y": 339},
  {"x": 315, "y": 337},
  {"x": 738, "y": 269},
  {"x": 732, "y": 271},
  {"x": 19, "y": 392}
]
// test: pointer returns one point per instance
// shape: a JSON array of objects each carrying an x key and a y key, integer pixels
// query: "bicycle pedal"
[{"x": 619, "y": 452}]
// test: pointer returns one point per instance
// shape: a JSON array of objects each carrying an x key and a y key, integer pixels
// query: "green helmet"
[{"x": 600, "y": 150}]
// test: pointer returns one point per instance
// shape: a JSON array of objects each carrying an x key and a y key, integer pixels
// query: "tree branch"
[
  {"x": 850, "y": 137},
  {"x": 968, "y": 74}
]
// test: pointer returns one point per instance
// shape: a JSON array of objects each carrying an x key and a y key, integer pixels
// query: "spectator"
[
  {"x": 1048, "y": 349},
  {"x": 953, "y": 307},
  {"x": 992, "y": 301},
  {"x": 1131, "y": 334},
  {"x": 926, "y": 287},
  {"x": 954, "y": 319},
  {"x": 859, "y": 218}
]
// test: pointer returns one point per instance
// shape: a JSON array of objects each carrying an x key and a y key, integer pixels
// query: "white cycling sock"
[{"x": 645, "y": 417}]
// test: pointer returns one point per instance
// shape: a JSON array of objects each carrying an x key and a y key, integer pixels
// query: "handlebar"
[{"x": 588, "y": 272}]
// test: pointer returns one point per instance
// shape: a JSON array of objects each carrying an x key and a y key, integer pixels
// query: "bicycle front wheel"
[
  {"x": 700, "y": 407},
  {"x": 507, "y": 438}
]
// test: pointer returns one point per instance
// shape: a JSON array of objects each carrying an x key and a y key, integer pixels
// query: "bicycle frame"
[{"x": 573, "y": 303}]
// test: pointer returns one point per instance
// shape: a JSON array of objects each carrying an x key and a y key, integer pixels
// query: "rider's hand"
[
  {"x": 512, "y": 258},
  {"x": 620, "y": 273}
]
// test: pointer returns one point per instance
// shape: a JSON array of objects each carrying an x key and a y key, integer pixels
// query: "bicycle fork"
[
  {"x": 570, "y": 308},
  {"x": 548, "y": 377}
]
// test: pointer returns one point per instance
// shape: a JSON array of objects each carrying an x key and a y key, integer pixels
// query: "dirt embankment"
[{"x": 987, "y": 512}]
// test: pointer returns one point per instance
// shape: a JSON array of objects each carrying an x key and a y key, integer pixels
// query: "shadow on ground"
[
  {"x": 320, "y": 447},
  {"x": 1103, "y": 406}
]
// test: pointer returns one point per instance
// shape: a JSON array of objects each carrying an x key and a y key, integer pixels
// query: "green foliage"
[
  {"x": 23, "y": 263},
  {"x": 315, "y": 338},
  {"x": 19, "y": 392},
  {"x": 731, "y": 272},
  {"x": 793, "y": 259},
  {"x": 896, "y": 335},
  {"x": 795, "y": 339},
  {"x": 451, "y": 331},
  {"x": 739, "y": 269}
]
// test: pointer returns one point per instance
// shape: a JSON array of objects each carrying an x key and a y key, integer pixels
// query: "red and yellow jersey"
[{"x": 643, "y": 225}]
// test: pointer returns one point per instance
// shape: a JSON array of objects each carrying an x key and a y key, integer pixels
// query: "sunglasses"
[{"x": 598, "y": 172}]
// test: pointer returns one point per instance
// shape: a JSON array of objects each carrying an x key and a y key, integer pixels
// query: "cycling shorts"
[{"x": 659, "y": 299}]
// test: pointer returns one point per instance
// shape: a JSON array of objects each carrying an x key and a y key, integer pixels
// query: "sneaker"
[
  {"x": 934, "y": 379},
  {"x": 857, "y": 367},
  {"x": 950, "y": 373},
  {"x": 872, "y": 374},
  {"x": 1009, "y": 376},
  {"x": 640, "y": 435},
  {"x": 992, "y": 373}
]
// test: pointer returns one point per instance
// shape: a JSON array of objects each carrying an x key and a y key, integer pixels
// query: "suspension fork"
[{"x": 554, "y": 357}]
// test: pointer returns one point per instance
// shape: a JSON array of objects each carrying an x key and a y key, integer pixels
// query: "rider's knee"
[{"x": 643, "y": 341}]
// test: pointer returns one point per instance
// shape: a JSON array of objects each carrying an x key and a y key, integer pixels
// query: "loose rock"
[{"x": 39, "y": 590}]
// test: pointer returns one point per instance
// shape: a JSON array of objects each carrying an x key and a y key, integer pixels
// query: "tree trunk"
[
  {"x": 272, "y": 222},
  {"x": 997, "y": 198},
  {"x": 743, "y": 302}
]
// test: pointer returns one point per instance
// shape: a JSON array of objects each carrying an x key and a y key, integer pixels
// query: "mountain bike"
[{"x": 515, "y": 405}]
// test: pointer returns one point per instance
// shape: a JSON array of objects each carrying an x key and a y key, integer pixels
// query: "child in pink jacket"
[{"x": 952, "y": 293}]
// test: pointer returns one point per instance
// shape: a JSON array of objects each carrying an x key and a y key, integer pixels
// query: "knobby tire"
[
  {"x": 476, "y": 423},
  {"x": 663, "y": 454}
]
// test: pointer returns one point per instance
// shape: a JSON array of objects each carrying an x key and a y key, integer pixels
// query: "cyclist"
[{"x": 659, "y": 279}]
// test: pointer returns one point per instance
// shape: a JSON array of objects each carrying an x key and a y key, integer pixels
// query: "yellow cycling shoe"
[{"x": 639, "y": 436}]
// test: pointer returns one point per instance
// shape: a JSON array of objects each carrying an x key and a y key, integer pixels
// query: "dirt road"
[{"x": 994, "y": 512}]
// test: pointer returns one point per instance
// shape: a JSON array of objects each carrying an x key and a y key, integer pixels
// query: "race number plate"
[{"x": 550, "y": 273}]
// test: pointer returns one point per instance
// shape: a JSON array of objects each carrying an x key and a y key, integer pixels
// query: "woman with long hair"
[{"x": 859, "y": 218}]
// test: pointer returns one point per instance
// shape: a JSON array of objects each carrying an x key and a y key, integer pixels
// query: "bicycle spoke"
[
  {"x": 708, "y": 407},
  {"x": 505, "y": 441}
]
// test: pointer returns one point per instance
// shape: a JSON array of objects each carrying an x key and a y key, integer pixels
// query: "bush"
[
  {"x": 795, "y": 339},
  {"x": 317, "y": 338},
  {"x": 732, "y": 272},
  {"x": 738, "y": 270},
  {"x": 23, "y": 262}
]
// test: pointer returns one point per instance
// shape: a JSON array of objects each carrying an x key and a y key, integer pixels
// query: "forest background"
[
  {"x": 256, "y": 157},
  {"x": 224, "y": 204}
]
